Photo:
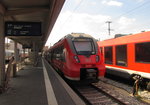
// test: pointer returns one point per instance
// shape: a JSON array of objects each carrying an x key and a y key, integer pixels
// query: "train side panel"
[{"x": 137, "y": 58}]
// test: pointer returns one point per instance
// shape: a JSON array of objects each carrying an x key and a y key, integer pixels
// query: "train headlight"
[
  {"x": 77, "y": 59},
  {"x": 97, "y": 58}
]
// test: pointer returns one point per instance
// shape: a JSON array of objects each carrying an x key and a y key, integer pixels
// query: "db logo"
[{"x": 88, "y": 60}]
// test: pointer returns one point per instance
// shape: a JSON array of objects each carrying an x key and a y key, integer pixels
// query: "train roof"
[
  {"x": 135, "y": 38},
  {"x": 70, "y": 36},
  {"x": 74, "y": 35}
]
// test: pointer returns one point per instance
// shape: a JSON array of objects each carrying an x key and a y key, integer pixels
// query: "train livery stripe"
[
  {"x": 143, "y": 74},
  {"x": 49, "y": 90}
]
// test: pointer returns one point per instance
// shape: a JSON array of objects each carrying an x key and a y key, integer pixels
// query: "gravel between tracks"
[{"x": 123, "y": 91}]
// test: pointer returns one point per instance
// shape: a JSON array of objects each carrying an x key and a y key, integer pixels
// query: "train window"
[
  {"x": 108, "y": 55},
  {"x": 142, "y": 52},
  {"x": 84, "y": 47},
  {"x": 101, "y": 49},
  {"x": 121, "y": 55},
  {"x": 64, "y": 55},
  {"x": 59, "y": 53}
]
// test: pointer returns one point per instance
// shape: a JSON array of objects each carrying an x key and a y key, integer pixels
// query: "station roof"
[{"x": 44, "y": 11}]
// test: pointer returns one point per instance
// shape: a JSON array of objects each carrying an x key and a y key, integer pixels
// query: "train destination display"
[{"x": 23, "y": 29}]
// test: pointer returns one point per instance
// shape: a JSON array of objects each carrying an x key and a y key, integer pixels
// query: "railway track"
[{"x": 95, "y": 95}]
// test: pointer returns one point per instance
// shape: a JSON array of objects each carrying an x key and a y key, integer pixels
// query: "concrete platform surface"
[
  {"x": 28, "y": 88},
  {"x": 39, "y": 85}
]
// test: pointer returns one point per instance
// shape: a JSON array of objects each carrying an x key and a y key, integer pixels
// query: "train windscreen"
[{"x": 84, "y": 46}]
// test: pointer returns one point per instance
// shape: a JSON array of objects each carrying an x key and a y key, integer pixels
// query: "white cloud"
[
  {"x": 78, "y": 22},
  {"x": 139, "y": 0},
  {"x": 125, "y": 25},
  {"x": 93, "y": 3},
  {"x": 94, "y": 25},
  {"x": 125, "y": 22},
  {"x": 112, "y": 3},
  {"x": 77, "y": 1}
]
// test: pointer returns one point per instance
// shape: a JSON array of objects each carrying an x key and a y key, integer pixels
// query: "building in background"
[{"x": 10, "y": 45}]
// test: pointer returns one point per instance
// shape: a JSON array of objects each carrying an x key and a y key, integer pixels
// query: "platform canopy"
[{"x": 37, "y": 11}]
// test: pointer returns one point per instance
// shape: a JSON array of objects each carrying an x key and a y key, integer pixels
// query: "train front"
[{"x": 87, "y": 63}]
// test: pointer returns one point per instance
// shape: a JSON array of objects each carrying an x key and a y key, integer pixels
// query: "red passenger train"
[
  {"x": 77, "y": 57},
  {"x": 128, "y": 56}
]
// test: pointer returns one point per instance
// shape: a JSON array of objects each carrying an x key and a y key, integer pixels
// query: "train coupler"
[{"x": 88, "y": 73}]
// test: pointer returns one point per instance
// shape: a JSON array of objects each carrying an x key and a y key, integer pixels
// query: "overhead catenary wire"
[
  {"x": 69, "y": 17},
  {"x": 131, "y": 10}
]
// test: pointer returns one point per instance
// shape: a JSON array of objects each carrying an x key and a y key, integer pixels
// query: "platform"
[{"x": 39, "y": 85}]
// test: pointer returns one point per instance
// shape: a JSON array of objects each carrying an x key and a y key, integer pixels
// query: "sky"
[{"x": 91, "y": 17}]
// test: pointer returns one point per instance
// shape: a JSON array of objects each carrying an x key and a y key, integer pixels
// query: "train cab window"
[
  {"x": 84, "y": 46},
  {"x": 142, "y": 52},
  {"x": 121, "y": 55},
  {"x": 108, "y": 55}
]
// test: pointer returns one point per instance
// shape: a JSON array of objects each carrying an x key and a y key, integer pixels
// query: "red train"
[
  {"x": 77, "y": 57},
  {"x": 128, "y": 56}
]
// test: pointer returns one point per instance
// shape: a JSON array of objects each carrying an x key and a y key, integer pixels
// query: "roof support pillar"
[
  {"x": 16, "y": 54},
  {"x": 2, "y": 51},
  {"x": 24, "y": 54},
  {"x": 35, "y": 53}
]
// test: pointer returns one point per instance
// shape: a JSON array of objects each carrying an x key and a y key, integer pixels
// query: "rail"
[{"x": 93, "y": 95}]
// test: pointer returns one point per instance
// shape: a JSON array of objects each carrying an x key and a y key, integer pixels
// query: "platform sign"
[{"x": 23, "y": 29}]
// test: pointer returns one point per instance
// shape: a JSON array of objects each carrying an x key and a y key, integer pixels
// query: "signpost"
[{"x": 23, "y": 29}]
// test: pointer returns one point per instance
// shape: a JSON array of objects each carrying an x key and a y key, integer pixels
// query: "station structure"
[
  {"x": 20, "y": 13},
  {"x": 29, "y": 23}
]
